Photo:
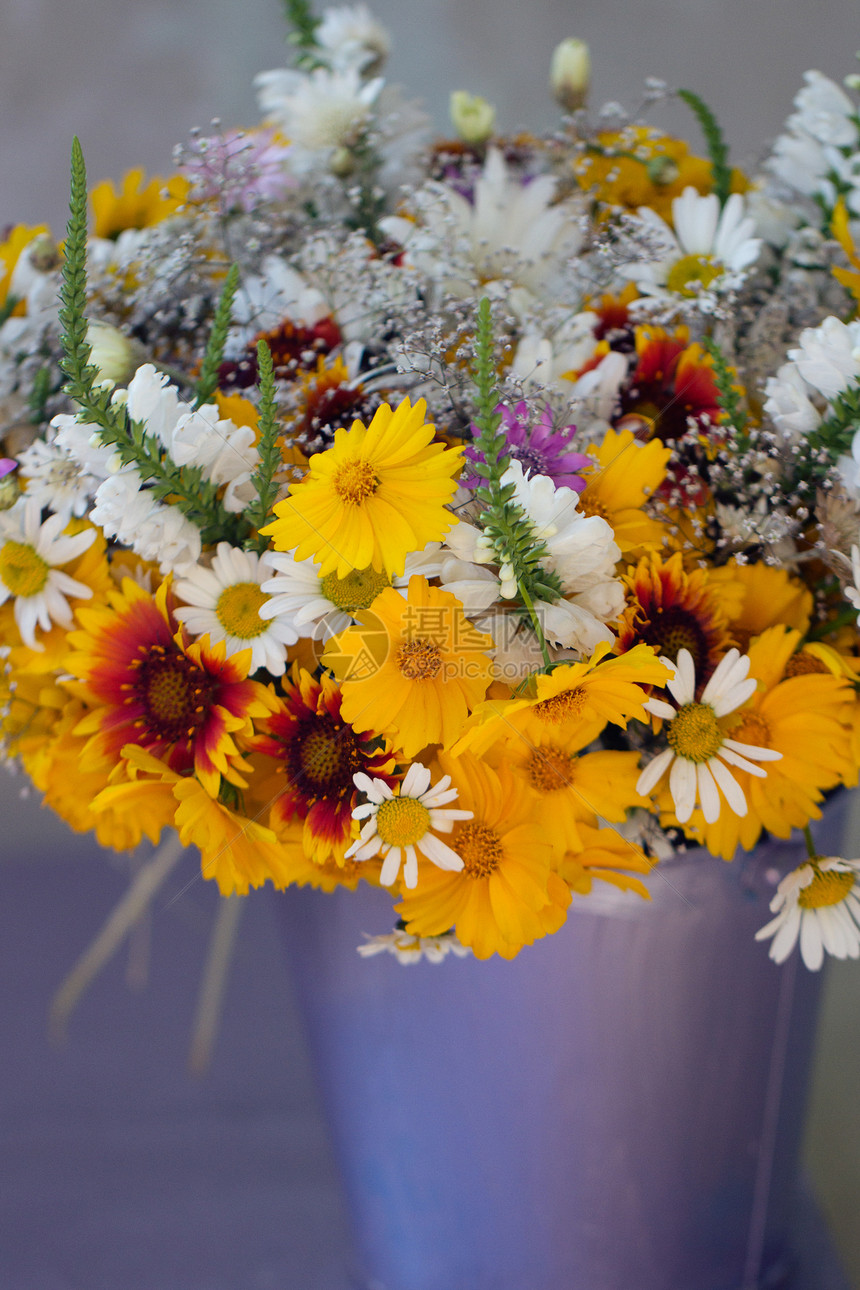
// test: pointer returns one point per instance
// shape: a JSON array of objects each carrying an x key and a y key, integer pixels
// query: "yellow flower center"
[
  {"x": 561, "y": 707},
  {"x": 168, "y": 694},
  {"x": 591, "y": 504},
  {"x": 480, "y": 848},
  {"x": 549, "y": 769},
  {"x": 753, "y": 729},
  {"x": 354, "y": 481},
  {"x": 802, "y": 663},
  {"x": 357, "y": 590},
  {"x": 828, "y": 887},
  {"x": 402, "y": 821},
  {"x": 694, "y": 732},
  {"x": 419, "y": 660},
  {"x": 22, "y": 569},
  {"x": 238, "y": 610},
  {"x": 322, "y": 757},
  {"x": 690, "y": 272}
]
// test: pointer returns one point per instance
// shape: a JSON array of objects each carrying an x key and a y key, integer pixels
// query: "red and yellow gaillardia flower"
[
  {"x": 144, "y": 684},
  {"x": 317, "y": 752}
]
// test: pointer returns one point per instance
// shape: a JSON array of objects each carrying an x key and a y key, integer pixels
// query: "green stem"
[
  {"x": 538, "y": 630},
  {"x": 810, "y": 845}
]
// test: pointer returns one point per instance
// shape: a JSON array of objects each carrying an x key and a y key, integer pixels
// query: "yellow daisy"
[
  {"x": 769, "y": 596},
  {"x": 413, "y": 669},
  {"x": 506, "y": 895},
  {"x": 625, "y": 474},
  {"x": 17, "y": 240},
  {"x": 375, "y": 495},
  {"x": 574, "y": 701},
  {"x": 606, "y": 855},
  {"x": 136, "y": 203}
]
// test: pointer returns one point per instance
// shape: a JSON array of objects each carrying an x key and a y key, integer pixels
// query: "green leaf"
[
  {"x": 263, "y": 478},
  {"x": 212, "y": 359}
]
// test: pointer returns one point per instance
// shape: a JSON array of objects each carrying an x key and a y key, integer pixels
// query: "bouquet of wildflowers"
[{"x": 476, "y": 517}]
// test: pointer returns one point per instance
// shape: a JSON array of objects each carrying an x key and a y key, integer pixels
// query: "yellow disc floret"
[
  {"x": 22, "y": 569},
  {"x": 828, "y": 887},
  {"x": 402, "y": 821},
  {"x": 238, "y": 610},
  {"x": 694, "y": 732}
]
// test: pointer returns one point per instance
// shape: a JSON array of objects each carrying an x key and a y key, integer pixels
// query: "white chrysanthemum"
[
  {"x": 789, "y": 406},
  {"x": 824, "y": 111},
  {"x": 55, "y": 480},
  {"x": 699, "y": 752},
  {"x": 319, "y": 110},
  {"x": 29, "y": 554},
  {"x": 321, "y": 607},
  {"x": 819, "y": 903},
  {"x": 513, "y": 237},
  {"x": 811, "y": 150},
  {"x": 128, "y": 513},
  {"x": 541, "y": 360},
  {"x": 399, "y": 826},
  {"x": 708, "y": 251},
  {"x": 409, "y": 948},
  {"x": 852, "y": 593},
  {"x": 350, "y": 36},
  {"x": 224, "y": 452},
  {"x": 581, "y": 551},
  {"x": 828, "y": 357},
  {"x": 225, "y": 601}
]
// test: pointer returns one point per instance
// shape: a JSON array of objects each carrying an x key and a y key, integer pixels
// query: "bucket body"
[{"x": 619, "y": 1106}]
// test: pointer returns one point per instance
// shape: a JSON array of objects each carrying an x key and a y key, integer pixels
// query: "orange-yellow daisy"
[
  {"x": 625, "y": 474},
  {"x": 573, "y": 702},
  {"x": 375, "y": 495},
  {"x": 769, "y": 596},
  {"x": 806, "y": 717},
  {"x": 414, "y": 667},
  {"x": 136, "y": 203},
  {"x": 506, "y": 895}
]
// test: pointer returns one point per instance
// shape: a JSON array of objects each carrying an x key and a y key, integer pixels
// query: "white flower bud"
[
  {"x": 570, "y": 73},
  {"x": 473, "y": 118},
  {"x": 114, "y": 356}
]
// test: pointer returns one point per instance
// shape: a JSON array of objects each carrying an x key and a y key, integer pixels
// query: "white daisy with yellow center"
[
  {"x": 29, "y": 554},
  {"x": 401, "y": 824},
  {"x": 819, "y": 902},
  {"x": 408, "y": 947},
  {"x": 708, "y": 251},
  {"x": 321, "y": 607},
  {"x": 225, "y": 601},
  {"x": 699, "y": 752}
]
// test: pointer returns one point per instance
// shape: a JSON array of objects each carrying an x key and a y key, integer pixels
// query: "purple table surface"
[{"x": 118, "y": 1170}]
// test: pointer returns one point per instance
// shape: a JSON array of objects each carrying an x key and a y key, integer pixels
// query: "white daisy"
[
  {"x": 29, "y": 554},
  {"x": 321, "y": 607},
  {"x": 513, "y": 236},
  {"x": 409, "y": 948},
  {"x": 819, "y": 902},
  {"x": 707, "y": 252},
  {"x": 320, "y": 110},
  {"x": 225, "y": 601},
  {"x": 349, "y": 36},
  {"x": 699, "y": 752},
  {"x": 55, "y": 479},
  {"x": 400, "y": 825}
]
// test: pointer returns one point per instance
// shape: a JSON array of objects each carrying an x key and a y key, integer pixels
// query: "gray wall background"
[{"x": 130, "y": 78}]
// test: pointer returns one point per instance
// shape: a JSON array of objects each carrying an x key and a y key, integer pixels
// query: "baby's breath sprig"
[
  {"x": 718, "y": 152},
  {"x": 507, "y": 531},
  {"x": 212, "y": 359},
  {"x": 185, "y": 486},
  {"x": 263, "y": 477}
]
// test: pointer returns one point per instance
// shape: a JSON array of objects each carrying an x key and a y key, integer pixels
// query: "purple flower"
[
  {"x": 540, "y": 449},
  {"x": 7, "y": 465}
]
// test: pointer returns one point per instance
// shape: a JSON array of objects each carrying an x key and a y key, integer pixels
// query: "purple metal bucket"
[{"x": 619, "y": 1108}]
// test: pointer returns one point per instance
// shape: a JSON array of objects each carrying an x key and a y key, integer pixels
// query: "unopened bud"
[
  {"x": 10, "y": 490},
  {"x": 473, "y": 118},
  {"x": 115, "y": 356},
  {"x": 662, "y": 170},
  {"x": 570, "y": 73},
  {"x": 44, "y": 254},
  {"x": 341, "y": 163}
]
